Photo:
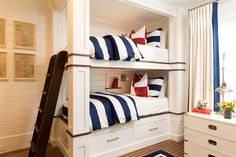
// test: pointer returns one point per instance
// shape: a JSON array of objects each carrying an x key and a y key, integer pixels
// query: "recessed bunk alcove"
[{"x": 86, "y": 75}]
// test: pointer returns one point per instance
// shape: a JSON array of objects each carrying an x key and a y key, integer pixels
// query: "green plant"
[{"x": 229, "y": 106}]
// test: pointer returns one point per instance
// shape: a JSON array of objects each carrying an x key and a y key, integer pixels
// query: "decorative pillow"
[
  {"x": 139, "y": 37},
  {"x": 123, "y": 48},
  {"x": 141, "y": 87},
  {"x": 154, "y": 37},
  {"x": 101, "y": 48},
  {"x": 155, "y": 85},
  {"x": 136, "y": 78}
]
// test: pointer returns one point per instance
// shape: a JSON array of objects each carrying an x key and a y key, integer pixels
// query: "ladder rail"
[{"x": 47, "y": 106}]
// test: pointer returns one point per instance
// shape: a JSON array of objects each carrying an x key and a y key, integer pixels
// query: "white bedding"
[
  {"x": 151, "y": 105},
  {"x": 153, "y": 54}
]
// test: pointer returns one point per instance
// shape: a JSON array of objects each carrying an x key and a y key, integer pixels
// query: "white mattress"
[
  {"x": 153, "y": 54},
  {"x": 151, "y": 105}
]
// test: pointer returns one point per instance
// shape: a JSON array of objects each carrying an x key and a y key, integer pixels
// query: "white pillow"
[
  {"x": 163, "y": 88},
  {"x": 163, "y": 39}
]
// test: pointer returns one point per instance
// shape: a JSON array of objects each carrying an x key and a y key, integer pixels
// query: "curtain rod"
[{"x": 204, "y": 4}]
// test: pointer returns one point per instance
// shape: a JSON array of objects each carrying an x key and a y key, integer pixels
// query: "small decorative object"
[
  {"x": 3, "y": 66},
  {"x": 24, "y": 35},
  {"x": 113, "y": 81},
  {"x": 2, "y": 33},
  {"x": 202, "y": 108},
  {"x": 228, "y": 108},
  {"x": 123, "y": 77},
  {"x": 25, "y": 66},
  {"x": 201, "y": 104}
]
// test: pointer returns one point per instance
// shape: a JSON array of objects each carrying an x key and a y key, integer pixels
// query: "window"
[{"x": 227, "y": 41}]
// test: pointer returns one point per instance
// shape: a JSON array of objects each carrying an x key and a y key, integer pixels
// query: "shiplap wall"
[{"x": 19, "y": 99}]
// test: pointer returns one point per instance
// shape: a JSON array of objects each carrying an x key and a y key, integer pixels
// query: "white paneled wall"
[
  {"x": 19, "y": 99},
  {"x": 98, "y": 79}
]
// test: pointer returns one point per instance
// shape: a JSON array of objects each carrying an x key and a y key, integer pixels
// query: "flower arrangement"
[{"x": 228, "y": 106}]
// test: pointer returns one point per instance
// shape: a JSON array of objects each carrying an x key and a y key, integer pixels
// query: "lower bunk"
[{"x": 120, "y": 139}]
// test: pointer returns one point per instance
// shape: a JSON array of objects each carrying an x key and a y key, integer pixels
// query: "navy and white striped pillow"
[
  {"x": 124, "y": 48},
  {"x": 155, "y": 85},
  {"x": 101, "y": 48},
  {"x": 154, "y": 37}
]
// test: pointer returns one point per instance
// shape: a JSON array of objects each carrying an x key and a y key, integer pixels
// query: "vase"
[{"x": 227, "y": 114}]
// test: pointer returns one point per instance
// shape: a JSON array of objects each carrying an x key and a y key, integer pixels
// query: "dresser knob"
[
  {"x": 212, "y": 142},
  {"x": 211, "y": 155},
  {"x": 212, "y": 127}
]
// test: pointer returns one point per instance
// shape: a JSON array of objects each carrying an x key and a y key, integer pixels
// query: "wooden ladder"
[{"x": 46, "y": 110}]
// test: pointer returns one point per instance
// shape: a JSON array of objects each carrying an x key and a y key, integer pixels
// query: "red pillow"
[
  {"x": 141, "y": 87},
  {"x": 141, "y": 91},
  {"x": 139, "y": 37}
]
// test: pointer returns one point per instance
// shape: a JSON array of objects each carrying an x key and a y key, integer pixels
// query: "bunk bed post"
[
  {"x": 78, "y": 78},
  {"x": 178, "y": 86}
]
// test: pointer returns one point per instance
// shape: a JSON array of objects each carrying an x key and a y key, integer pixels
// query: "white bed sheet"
[
  {"x": 153, "y": 54},
  {"x": 151, "y": 105}
]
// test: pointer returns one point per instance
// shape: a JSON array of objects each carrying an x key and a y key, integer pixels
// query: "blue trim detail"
[{"x": 216, "y": 54}]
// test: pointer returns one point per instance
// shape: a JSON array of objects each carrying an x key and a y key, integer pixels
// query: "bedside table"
[{"x": 209, "y": 135}]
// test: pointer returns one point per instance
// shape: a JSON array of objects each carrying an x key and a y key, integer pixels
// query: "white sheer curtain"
[{"x": 201, "y": 56}]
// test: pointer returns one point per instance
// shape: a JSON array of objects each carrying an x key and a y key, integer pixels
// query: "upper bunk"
[{"x": 108, "y": 18}]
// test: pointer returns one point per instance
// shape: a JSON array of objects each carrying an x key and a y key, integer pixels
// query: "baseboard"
[
  {"x": 176, "y": 137},
  {"x": 62, "y": 145},
  {"x": 132, "y": 147},
  {"x": 15, "y": 142}
]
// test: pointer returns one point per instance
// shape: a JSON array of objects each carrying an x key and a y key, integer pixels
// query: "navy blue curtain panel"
[{"x": 216, "y": 54}]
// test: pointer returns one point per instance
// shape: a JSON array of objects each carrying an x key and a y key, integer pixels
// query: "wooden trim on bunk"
[
  {"x": 73, "y": 136},
  {"x": 162, "y": 113},
  {"x": 161, "y": 62},
  {"x": 75, "y": 65},
  {"x": 136, "y": 68},
  {"x": 76, "y": 54}
]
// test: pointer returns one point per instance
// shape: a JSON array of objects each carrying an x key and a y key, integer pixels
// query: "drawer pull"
[
  {"x": 212, "y": 127},
  {"x": 153, "y": 129},
  {"x": 113, "y": 139},
  {"x": 211, "y": 155},
  {"x": 212, "y": 142}
]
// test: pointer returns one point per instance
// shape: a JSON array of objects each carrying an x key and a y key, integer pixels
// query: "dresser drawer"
[
  {"x": 210, "y": 142},
  {"x": 211, "y": 127},
  {"x": 198, "y": 151},
  {"x": 151, "y": 129},
  {"x": 103, "y": 142}
]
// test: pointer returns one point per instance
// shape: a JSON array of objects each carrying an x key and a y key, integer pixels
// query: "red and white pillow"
[
  {"x": 139, "y": 37},
  {"x": 139, "y": 86}
]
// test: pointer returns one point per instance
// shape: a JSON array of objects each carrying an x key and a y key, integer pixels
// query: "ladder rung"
[
  {"x": 36, "y": 127},
  {"x": 40, "y": 110},
  {"x": 33, "y": 147},
  {"x": 48, "y": 75},
  {"x": 45, "y": 93}
]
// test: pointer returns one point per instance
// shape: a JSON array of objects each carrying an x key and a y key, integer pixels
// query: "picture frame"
[
  {"x": 25, "y": 66},
  {"x": 24, "y": 33},
  {"x": 113, "y": 81},
  {"x": 3, "y": 66},
  {"x": 2, "y": 33}
]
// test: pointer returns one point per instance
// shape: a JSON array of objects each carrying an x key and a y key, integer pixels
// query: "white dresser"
[{"x": 209, "y": 136}]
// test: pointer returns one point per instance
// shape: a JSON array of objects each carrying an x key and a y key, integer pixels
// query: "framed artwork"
[
  {"x": 2, "y": 33},
  {"x": 24, "y": 35},
  {"x": 25, "y": 66},
  {"x": 113, "y": 82},
  {"x": 3, "y": 66}
]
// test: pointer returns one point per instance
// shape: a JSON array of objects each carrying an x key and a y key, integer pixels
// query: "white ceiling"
[{"x": 120, "y": 12}]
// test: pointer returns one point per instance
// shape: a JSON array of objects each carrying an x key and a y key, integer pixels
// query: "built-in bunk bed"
[{"x": 125, "y": 91}]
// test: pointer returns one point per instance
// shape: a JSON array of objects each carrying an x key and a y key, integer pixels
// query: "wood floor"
[
  {"x": 172, "y": 147},
  {"x": 169, "y": 146},
  {"x": 52, "y": 152}
]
